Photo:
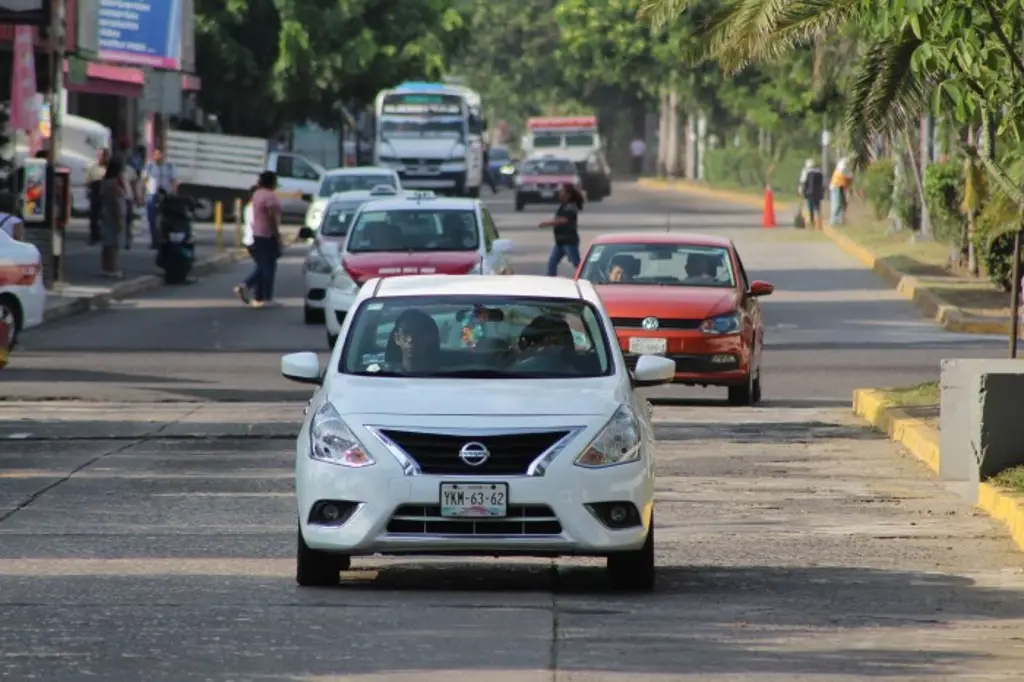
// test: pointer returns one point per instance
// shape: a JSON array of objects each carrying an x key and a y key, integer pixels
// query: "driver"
[
  {"x": 414, "y": 343},
  {"x": 702, "y": 267},
  {"x": 623, "y": 268},
  {"x": 547, "y": 335}
]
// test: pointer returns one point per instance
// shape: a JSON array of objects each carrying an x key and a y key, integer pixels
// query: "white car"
[
  {"x": 350, "y": 179},
  {"x": 22, "y": 294},
  {"x": 483, "y": 416},
  {"x": 327, "y": 236},
  {"x": 416, "y": 233}
]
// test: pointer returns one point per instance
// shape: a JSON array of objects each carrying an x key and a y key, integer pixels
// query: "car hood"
[
  {"x": 638, "y": 300},
  {"x": 440, "y": 150},
  {"x": 363, "y": 266},
  {"x": 399, "y": 397}
]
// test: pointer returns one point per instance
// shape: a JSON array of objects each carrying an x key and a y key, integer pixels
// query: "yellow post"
[
  {"x": 238, "y": 223},
  {"x": 218, "y": 223}
]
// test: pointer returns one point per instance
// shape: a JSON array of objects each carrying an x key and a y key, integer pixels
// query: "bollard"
[
  {"x": 218, "y": 223},
  {"x": 238, "y": 223}
]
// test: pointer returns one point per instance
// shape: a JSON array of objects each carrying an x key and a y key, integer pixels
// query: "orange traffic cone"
[{"x": 768, "y": 218}]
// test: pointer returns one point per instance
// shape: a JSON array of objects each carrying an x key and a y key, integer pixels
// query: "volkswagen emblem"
[
  {"x": 650, "y": 323},
  {"x": 474, "y": 454}
]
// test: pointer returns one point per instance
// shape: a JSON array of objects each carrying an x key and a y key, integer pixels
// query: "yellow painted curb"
[
  {"x": 705, "y": 190},
  {"x": 922, "y": 441},
  {"x": 948, "y": 316}
]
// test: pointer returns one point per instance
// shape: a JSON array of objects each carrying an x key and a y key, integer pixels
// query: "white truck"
[
  {"x": 213, "y": 167},
  {"x": 577, "y": 139},
  {"x": 432, "y": 134}
]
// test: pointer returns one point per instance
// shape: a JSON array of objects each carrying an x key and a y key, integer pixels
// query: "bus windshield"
[{"x": 420, "y": 128}]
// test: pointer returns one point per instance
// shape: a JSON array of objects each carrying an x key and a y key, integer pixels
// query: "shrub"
[
  {"x": 993, "y": 238},
  {"x": 943, "y": 191},
  {"x": 877, "y": 183}
]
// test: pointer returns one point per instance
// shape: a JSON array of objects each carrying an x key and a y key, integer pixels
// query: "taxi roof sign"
[{"x": 382, "y": 190}]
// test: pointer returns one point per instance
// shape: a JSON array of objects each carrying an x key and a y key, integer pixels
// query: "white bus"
[{"x": 432, "y": 134}]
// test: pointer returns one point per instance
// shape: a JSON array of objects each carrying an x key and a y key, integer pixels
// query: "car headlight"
[
  {"x": 723, "y": 324},
  {"x": 315, "y": 262},
  {"x": 331, "y": 441},
  {"x": 341, "y": 280},
  {"x": 507, "y": 169},
  {"x": 313, "y": 217},
  {"x": 618, "y": 442}
]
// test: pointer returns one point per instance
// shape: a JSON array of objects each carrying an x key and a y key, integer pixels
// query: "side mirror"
[
  {"x": 305, "y": 234},
  {"x": 308, "y": 198},
  {"x": 301, "y": 367},
  {"x": 502, "y": 246},
  {"x": 759, "y": 288},
  {"x": 653, "y": 370}
]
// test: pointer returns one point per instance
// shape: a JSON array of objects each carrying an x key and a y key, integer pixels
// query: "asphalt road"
[{"x": 147, "y": 521}]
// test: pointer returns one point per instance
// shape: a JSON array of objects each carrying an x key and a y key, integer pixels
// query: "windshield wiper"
[
  {"x": 477, "y": 374},
  {"x": 380, "y": 373}
]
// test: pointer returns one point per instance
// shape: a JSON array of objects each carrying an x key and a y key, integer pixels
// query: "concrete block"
[{"x": 981, "y": 421}]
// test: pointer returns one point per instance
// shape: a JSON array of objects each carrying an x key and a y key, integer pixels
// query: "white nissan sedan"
[{"x": 490, "y": 415}]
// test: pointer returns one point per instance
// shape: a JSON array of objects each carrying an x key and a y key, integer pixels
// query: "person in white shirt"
[
  {"x": 157, "y": 176},
  {"x": 247, "y": 239},
  {"x": 638, "y": 149},
  {"x": 10, "y": 223}
]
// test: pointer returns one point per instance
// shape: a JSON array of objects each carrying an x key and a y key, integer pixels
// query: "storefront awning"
[{"x": 107, "y": 79}]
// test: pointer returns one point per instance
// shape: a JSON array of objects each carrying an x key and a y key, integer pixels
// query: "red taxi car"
[
  {"x": 540, "y": 178},
  {"x": 687, "y": 297}
]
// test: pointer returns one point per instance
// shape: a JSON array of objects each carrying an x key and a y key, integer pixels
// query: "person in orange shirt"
[{"x": 839, "y": 191}]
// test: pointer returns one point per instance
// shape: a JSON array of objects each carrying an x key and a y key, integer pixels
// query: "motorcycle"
[{"x": 177, "y": 251}]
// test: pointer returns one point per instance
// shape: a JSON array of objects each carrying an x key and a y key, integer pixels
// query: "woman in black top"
[{"x": 567, "y": 236}]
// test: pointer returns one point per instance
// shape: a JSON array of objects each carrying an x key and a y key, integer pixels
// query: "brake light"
[{"x": 20, "y": 275}]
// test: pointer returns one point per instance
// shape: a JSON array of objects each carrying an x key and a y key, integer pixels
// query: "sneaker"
[
  {"x": 256, "y": 304},
  {"x": 242, "y": 293}
]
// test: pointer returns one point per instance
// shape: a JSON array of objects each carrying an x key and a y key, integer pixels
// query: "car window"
[
  {"x": 338, "y": 218},
  {"x": 510, "y": 337},
  {"x": 418, "y": 229},
  {"x": 549, "y": 167},
  {"x": 332, "y": 184},
  {"x": 285, "y": 167},
  {"x": 579, "y": 140},
  {"x": 501, "y": 155},
  {"x": 490, "y": 230},
  {"x": 546, "y": 141},
  {"x": 660, "y": 264},
  {"x": 742, "y": 271},
  {"x": 303, "y": 171}
]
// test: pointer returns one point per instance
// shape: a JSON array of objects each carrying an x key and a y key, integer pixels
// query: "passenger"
[{"x": 414, "y": 344}]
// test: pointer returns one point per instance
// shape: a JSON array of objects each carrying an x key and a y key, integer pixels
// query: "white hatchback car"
[
  {"x": 350, "y": 179},
  {"x": 476, "y": 415},
  {"x": 327, "y": 237},
  {"x": 416, "y": 233},
  {"x": 22, "y": 294}
]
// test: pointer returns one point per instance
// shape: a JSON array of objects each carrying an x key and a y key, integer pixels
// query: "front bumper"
[
  {"x": 537, "y": 197},
  {"x": 558, "y": 522},
  {"x": 33, "y": 303},
  {"x": 316, "y": 288},
  {"x": 441, "y": 180},
  {"x": 337, "y": 303},
  {"x": 701, "y": 359}
]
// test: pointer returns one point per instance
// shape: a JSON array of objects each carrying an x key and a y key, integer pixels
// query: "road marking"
[{"x": 18, "y": 436}]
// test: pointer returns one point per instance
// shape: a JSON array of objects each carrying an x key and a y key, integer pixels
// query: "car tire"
[
  {"x": 742, "y": 395},
  {"x": 313, "y": 315},
  {"x": 634, "y": 571},
  {"x": 331, "y": 340},
  {"x": 314, "y": 568},
  {"x": 755, "y": 390}
]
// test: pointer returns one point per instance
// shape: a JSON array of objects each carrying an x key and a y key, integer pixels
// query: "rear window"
[
  {"x": 353, "y": 182},
  {"x": 420, "y": 229},
  {"x": 338, "y": 218}
]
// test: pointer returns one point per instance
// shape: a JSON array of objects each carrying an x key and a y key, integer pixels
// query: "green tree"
[{"x": 236, "y": 49}]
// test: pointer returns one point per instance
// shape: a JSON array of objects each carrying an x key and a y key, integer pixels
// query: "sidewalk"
[{"x": 84, "y": 288}]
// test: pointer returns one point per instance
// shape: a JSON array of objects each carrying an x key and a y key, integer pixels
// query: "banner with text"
[{"x": 141, "y": 32}]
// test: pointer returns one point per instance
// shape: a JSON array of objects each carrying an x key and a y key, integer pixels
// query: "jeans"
[
  {"x": 152, "y": 218},
  {"x": 261, "y": 280},
  {"x": 571, "y": 252},
  {"x": 837, "y": 205}
]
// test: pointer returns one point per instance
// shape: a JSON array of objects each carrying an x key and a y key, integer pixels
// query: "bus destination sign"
[{"x": 421, "y": 104}]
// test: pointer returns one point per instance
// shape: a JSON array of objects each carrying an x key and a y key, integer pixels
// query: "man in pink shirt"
[{"x": 266, "y": 244}]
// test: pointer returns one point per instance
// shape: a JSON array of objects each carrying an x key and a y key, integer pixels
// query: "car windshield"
[
  {"x": 659, "y": 264},
  {"x": 579, "y": 140},
  {"x": 476, "y": 337},
  {"x": 501, "y": 155},
  {"x": 549, "y": 167},
  {"x": 409, "y": 230},
  {"x": 338, "y": 217},
  {"x": 353, "y": 182},
  {"x": 546, "y": 141},
  {"x": 452, "y": 128}
]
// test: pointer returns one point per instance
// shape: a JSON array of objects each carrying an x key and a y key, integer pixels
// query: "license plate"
[
  {"x": 647, "y": 346},
  {"x": 474, "y": 500},
  {"x": 547, "y": 194}
]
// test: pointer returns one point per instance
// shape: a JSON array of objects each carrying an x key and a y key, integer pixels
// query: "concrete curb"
[
  {"x": 922, "y": 442},
  {"x": 948, "y": 316},
  {"x": 700, "y": 189}
]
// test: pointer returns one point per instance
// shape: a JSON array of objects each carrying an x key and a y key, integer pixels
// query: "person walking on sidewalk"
[
  {"x": 638, "y": 150},
  {"x": 839, "y": 191},
  {"x": 113, "y": 218},
  {"x": 266, "y": 243},
  {"x": 812, "y": 189},
  {"x": 93, "y": 179},
  {"x": 565, "y": 224},
  {"x": 156, "y": 176}
]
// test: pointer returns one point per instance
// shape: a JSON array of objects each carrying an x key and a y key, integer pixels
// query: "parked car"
[
  {"x": 416, "y": 233},
  {"x": 476, "y": 415},
  {"x": 686, "y": 297}
]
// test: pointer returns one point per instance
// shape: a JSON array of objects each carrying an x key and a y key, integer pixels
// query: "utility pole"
[
  {"x": 1015, "y": 293},
  {"x": 57, "y": 33}
]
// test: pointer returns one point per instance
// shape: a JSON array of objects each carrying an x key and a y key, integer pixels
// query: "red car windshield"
[{"x": 659, "y": 264}]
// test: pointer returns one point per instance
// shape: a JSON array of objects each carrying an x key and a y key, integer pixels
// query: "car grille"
[
  {"x": 511, "y": 454},
  {"x": 638, "y": 323},
  {"x": 522, "y": 519},
  {"x": 689, "y": 364}
]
